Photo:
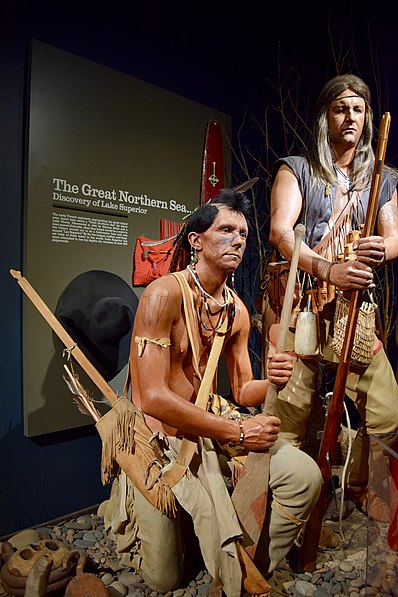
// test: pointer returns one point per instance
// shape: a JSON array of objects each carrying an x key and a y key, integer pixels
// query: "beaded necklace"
[
  {"x": 223, "y": 306},
  {"x": 195, "y": 277}
]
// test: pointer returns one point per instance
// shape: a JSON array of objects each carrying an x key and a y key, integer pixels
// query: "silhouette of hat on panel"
[{"x": 97, "y": 309}]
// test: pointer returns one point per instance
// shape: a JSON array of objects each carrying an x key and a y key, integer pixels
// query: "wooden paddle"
[
  {"x": 213, "y": 162},
  {"x": 250, "y": 494}
]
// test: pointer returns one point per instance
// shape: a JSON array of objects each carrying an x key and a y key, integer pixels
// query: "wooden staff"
[
  {"x": 250, "y": 494},
  {"x": 286, "y": 314},
  {"x": 327, "y": 451}
]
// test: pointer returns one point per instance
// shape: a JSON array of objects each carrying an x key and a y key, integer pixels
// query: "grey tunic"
[{"x": 317, "y": 205}]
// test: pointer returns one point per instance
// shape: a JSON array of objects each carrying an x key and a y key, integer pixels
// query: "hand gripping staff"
[
  {"x": 331, "y": 431},
  {"x": 250, "y": 494}
]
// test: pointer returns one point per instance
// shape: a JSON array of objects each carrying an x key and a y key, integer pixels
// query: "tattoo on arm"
[
  {"x": 320, "y": 267},
  {"x": 153, "y": 308},
  {"x": 282, "y": 237}
]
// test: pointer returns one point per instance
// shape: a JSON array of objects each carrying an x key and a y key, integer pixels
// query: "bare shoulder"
[
  {"x": 285, "y": 179},
  {"x": 239, "y": 304},
  {"x": 166, "y": 285},
  {"x": 242, "y": 317},
  {"x": 160, "y": 301},
  {"x": 286, "y": 168}
]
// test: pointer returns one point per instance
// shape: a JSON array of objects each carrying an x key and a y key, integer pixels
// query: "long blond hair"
[{"x": 320, "y": 152}]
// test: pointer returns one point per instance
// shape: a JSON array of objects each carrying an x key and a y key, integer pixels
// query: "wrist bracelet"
[{"x": 242, "y": 433}]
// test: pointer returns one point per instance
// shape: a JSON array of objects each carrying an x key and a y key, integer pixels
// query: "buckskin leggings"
[{"x": 152, "y": 543}]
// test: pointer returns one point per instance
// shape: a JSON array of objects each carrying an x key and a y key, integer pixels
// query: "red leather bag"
[{"x": 152, "y": 259}]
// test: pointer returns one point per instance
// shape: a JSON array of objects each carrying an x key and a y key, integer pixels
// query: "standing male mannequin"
[{"x": 315, "y": 189}]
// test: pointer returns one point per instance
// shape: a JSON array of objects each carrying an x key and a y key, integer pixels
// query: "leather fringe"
[
  {"x": 116, "y": 429},
  {"x": 125, "y": 443},
  {"x": 166, "y": 501}
]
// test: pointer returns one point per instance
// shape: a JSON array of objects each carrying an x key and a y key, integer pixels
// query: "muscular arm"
[
  {"x": 246, "y": 390},
  {"x": 388, "y": 227},
  {"x": 286, "y": 204},
  {"x": 375, "y": 250}
]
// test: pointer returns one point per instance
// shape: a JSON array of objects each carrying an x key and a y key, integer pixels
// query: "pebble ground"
[{"x": 349, "y": 570}]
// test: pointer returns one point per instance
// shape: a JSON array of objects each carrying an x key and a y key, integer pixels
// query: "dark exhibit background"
[{"x": 261, "y": 63}]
